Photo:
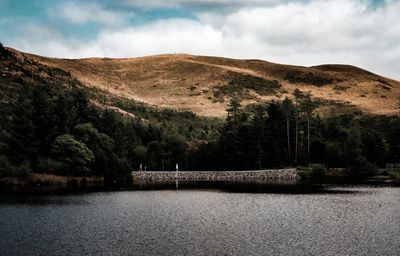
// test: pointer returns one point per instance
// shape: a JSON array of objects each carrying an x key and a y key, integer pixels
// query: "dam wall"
[{"x": 267, "y": 176}]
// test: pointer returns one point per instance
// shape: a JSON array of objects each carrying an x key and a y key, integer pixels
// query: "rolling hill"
[
  {"x": 204, "y": 85},
  {"x": 113, "y": 114}
]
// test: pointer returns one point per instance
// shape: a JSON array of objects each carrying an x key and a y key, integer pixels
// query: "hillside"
[
  {"x": 20, "y": 73},
  {"x": 205, "y": 84}
]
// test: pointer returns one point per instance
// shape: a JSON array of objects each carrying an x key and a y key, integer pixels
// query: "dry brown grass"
[
  {"x": 188, "y": 82},
  {"x": 50, "y": 179}
]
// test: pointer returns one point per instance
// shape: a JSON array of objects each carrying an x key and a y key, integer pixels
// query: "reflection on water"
[
  {"x": 326, "y": 220},
  {"x": 245, "y": 187}
]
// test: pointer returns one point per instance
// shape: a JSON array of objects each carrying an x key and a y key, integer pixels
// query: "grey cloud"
[{"x": 201, "y": 3}]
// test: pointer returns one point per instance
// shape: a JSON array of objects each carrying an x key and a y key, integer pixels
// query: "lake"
[{"x": 336, "y": 220}]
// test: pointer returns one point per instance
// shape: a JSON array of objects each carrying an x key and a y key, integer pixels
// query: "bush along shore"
[
  {"x": 37, "y": 179},
  {"x": 49, "y": 183},
  {"x": 319, "y": 174}
]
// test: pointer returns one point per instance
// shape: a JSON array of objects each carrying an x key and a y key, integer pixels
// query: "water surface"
[{"x": 351, "y": 221}]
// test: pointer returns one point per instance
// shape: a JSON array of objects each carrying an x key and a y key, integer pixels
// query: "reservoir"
[{"x": 334, "y": 220}]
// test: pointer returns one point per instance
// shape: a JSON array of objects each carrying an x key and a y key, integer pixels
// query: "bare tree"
[{"x": 308, "y": 106}]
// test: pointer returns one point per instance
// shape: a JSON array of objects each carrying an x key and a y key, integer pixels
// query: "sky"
[{"x": 365, "y": 33}]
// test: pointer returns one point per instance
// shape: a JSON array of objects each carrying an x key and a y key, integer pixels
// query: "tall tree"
[
  {"x": 74, "y": 155},
  {"x": 308, "y": 106},
  {"x": 257, "y": 136},
  {"x": 288, "y": 109},
  {"x": 297, "y": 96},
  {"x": 233, "y": 111},
  {"x": 275, "y": 136}
]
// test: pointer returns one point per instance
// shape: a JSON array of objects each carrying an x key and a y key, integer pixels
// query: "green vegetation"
[
  {"x": 241, "y": 86},
  {"x": 7, "y": 169},
  {"x": 56, "y": 130},
  {"x": 185, "y": 123},
  {"x": 290, "y": 133},
  {"x": 75, "y": 156},
  {"x": 307, "y": 78},
  {"x": 395, "y": 175},
  {"x": 58, "y": 126},
  {"x": 3, "y": 52},
  {"x": 318, "y": 172}
]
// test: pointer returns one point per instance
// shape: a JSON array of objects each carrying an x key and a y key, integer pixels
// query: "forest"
[
  {"x": 292, "y": 133},
  {"x": 58, "y": 131},
  {"x": 45, "y": 128}
]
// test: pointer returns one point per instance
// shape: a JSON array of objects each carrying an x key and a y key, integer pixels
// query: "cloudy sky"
[{"x": 365, "y": 33}]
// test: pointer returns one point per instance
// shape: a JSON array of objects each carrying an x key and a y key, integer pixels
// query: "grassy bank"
[
  {"x": 320, "y": 174},
  {"x": 38, "y": 179}
]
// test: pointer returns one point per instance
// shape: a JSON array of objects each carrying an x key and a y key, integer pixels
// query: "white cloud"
[
  {"x": 79, "y": 13},
  {"x": 174, "y": 35},
  {"x": 44, "y": 41},
  {"x": 304, "y": 33}
]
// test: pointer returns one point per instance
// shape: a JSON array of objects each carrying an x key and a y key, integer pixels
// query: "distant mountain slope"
[
  {"x": 20, "y": 75},
  {"x": 205, "y": 84}
]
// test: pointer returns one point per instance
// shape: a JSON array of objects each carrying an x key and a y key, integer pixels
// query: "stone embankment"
[{"x": 279, "y": 175}]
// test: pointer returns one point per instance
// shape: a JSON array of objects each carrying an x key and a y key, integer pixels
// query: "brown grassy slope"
[
  {"x": 17, "y": 70},
  {"x": 205, "y": 84}
]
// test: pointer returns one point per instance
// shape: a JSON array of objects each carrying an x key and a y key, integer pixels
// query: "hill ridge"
[{"x": 205, "y": 84}]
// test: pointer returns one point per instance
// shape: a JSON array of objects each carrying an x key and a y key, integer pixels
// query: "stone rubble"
[{"x": 245, "y": 176}]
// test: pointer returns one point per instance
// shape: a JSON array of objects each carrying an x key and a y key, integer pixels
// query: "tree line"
[
  {"x": 291, "y": 133},
  {"x": 55, "y": 130}
]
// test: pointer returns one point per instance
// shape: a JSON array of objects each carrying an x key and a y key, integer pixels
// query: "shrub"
[
  {"x": 72, "y": 153},
  {"x": 7, "y": 169},
  {"x": 395, "y": 175},
  {"x": 361, "y": 168},
  {"x": 24, "y": 170},
  {"x": 295, "y": 77},
  {"x": 240, "y": 86},
  {"x": 48, "y": 165},
  {"x": 318, "y": 172},
  {"x": 5, "y": 166}
]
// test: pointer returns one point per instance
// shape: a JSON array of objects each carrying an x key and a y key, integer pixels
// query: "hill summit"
[{"x": 205, "y": 85}]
